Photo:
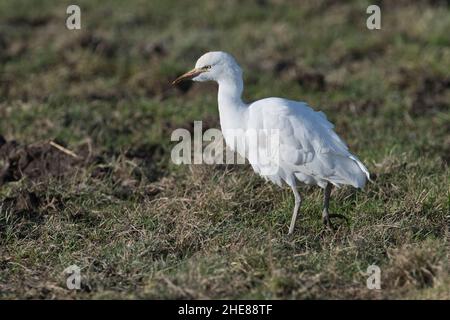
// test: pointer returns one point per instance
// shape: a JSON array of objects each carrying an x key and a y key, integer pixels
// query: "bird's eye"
[{"x": 207, "y": 67}]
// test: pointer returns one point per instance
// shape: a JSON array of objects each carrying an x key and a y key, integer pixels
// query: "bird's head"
[{"x": 212, "y": 66}]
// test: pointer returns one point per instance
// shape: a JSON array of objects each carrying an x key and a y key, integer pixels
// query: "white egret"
[{"x": 308, "y": 150}]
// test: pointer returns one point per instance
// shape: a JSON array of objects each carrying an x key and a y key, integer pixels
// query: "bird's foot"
[
  {"x": 327, "y": 222},
  {"x": 291, "y": 231},
  {"x": 326, "y": 218}
]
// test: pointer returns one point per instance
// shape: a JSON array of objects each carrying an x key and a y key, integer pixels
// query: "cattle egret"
[{"x": 308, "y": 149}]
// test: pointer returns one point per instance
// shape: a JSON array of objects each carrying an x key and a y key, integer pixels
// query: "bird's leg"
[
  {"x": 326, "y": 203},
  {"x": 298, "y": 201}
]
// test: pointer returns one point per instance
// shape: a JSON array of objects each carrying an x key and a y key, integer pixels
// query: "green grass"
[{"x": 142, "y": 227}]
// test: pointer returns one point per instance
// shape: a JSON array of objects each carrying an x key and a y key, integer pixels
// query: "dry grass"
[{"x": 141, "y": 227}]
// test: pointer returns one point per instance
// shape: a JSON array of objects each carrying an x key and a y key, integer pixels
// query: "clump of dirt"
[
  {"x": 40, "y": 162},
  {"x": 37, "y": 162},
  {"x": 306, "y": 78},
  {"x": 11, "y": 48},
  {"x": 153, "y": 50},
  {"x": 3, "y": 43},
  {"x": 312, "y": 80},
  {"x": 98, "y": 44},
  {"x": 29, "y": 21},
  {"x": 431, "y": 96},
  {"x": 371, "y": 52},
  {"x": 284, "y": 65}
]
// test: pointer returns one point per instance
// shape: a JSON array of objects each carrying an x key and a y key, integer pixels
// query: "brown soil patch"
[{"x": 37, "y": 161}]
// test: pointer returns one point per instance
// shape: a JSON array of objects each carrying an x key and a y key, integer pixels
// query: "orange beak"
[{"x": 188, "y": 75}]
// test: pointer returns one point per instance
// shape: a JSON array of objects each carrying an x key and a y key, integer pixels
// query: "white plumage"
[{"x": 307, "y": 148}]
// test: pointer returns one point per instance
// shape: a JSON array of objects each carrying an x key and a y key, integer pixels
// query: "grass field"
[{"x": 139, "y": 226}]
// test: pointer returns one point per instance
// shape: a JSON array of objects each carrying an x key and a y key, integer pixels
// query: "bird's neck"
[{"x": 232, "y": 110}]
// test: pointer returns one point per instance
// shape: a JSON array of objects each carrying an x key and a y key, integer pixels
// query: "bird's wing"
[
  {"x": 307, "y": 141},
  {"x": 334, "y": 152},
  {"x": 303, "y": 132}
]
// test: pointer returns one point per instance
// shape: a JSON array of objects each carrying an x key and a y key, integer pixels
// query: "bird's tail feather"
[{"x": 362, "y": 167}]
